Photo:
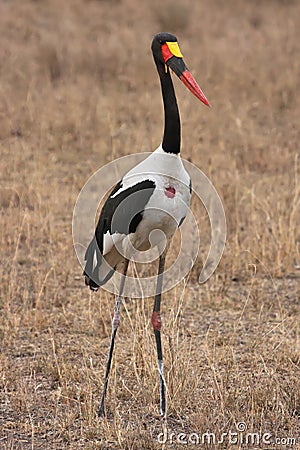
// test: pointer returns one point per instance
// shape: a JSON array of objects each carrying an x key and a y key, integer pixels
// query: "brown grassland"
[{"x": 78, "y": 88}]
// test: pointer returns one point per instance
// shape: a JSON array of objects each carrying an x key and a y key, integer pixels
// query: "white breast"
[{"x": 161, "y": 212}]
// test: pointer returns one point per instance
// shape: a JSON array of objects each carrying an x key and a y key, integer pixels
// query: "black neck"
[{"x": 171, "y": 139}]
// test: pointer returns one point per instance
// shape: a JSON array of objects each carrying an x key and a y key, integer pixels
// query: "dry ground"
[{"x": 79, "y": 88}]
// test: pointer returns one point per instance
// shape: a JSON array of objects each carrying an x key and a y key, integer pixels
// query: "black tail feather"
[{"x": 94, "y": 259}]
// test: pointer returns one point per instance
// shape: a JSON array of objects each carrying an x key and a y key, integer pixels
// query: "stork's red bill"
[{"x": 174, "y": 59}]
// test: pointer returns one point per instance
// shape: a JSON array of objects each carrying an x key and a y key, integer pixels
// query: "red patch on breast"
[{"x": 170, "y": 192}]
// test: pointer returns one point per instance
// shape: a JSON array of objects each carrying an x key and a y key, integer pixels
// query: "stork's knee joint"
[
  {"x": 156, "y": 320},
  {"x": 116, "y": 321}
]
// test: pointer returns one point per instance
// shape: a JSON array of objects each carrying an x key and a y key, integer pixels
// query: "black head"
[
  {"x": 157, "y": 42},
  {"x": 167, "y": 54}
]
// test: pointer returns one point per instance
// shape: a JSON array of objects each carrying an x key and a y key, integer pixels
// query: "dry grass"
[{"x": 79, "y": 88}]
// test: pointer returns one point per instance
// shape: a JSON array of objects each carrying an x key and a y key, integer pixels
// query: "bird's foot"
[
  {"x": 101, "y": 412},
  {"x": 163, "y": 417}
]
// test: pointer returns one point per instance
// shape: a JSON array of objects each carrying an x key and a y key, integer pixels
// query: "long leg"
[
  {"x": 115, "y": 324},
  {"x": 156, "y": 322}
]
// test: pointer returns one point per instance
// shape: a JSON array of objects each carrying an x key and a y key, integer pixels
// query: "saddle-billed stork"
[{"x": 154, "y": 195}]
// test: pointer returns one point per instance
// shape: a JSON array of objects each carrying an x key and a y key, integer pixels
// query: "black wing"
[{"x": 121, "y": 213}]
